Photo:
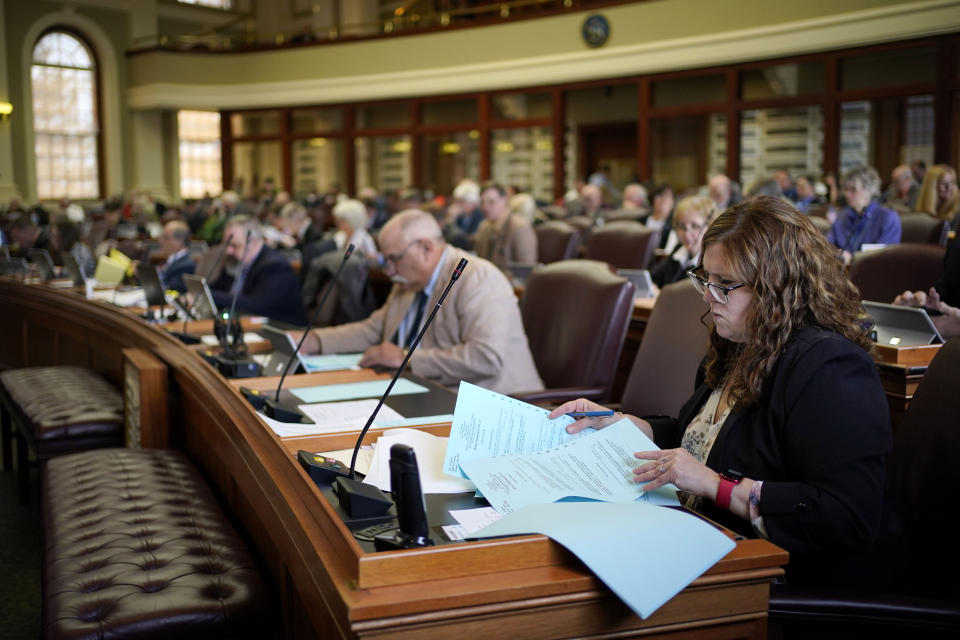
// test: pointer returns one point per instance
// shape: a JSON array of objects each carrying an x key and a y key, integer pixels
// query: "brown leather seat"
[
  {"x": 58, "y": 410},
  {"x": 576, "y": 315},
  {"x": 883, "y": 274},
  {"x": 674, "y": 342},
  {"x": 556, "y": 240},
  {"x": 624, "y": 244},
  {"x": 136, "y": 546},
  {"x": 922, "y": 227},
  {"x": 923, "y": 474}
]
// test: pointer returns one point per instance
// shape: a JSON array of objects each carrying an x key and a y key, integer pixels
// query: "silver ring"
[{"x": 661, "y": 468}]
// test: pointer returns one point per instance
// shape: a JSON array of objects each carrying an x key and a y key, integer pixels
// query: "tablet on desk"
[
  {"x": 204, "y": 307},
  {"x": 149, "y": 279},
  {"x": 283, "y": 349},
  {"x": 642, "y": 284},
  {"x": 900, "y": 326},
  {"x": 41, "y": 258},
  {"x": 73, "y": 270}
]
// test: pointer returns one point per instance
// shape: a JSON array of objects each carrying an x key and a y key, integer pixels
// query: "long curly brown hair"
[{"x": 797, "y": 281}]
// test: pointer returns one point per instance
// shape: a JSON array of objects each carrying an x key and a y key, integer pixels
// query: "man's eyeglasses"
[
  {"x": 392, "y": 259},
  {"x": 719, "y": 292}
]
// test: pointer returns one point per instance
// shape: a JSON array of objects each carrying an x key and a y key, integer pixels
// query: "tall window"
[
  {"x": 65, "y": 118},
  {"x": 200, "y": 168}
]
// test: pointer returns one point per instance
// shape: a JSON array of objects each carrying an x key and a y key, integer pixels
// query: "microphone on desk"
[
  {"x": 231, "y": 362},
  {"x": 363, "y": 500},
  {"x": 187, "y": 309},
  {"x": 273, "y": 408},
  {"x": 411, "y": 507},
  {"x": 233, "y": 330}
]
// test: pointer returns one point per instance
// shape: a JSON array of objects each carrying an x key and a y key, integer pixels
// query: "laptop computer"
[
  {"x": 520, "y": 272},
  {"x": 203, "y": 305},
  {"x": 73, "y": 270},
  {"x": 13, "y": 267},
  {"x": 901, "y": 326},
  {"x": 642, "y": 284},
  {"x": 149, "y": 279},
  {"x": 41, "y": 258}
]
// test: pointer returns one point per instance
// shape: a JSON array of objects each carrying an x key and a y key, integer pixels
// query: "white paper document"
[
  {"x": 429, "y": 450},
  {"x": 347, "y": 415},
  {"x": 248, "y": 338},
  {"x": 596, "y": 467},
  {"x": 486, "y": 423},
  {"x": 475, "y": 519},
  {"x": 645, "y": 554}
]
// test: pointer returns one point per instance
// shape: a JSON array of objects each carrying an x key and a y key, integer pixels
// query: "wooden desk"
[{"x": 324, "y": 584}]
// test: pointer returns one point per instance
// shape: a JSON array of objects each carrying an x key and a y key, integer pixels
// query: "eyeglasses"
[
  {"x": 719, "y": 292},
  {"x": 391, "y": 260}
]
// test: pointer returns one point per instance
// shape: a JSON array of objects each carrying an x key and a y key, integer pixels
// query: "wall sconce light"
[{"x": 5, "y": 110}]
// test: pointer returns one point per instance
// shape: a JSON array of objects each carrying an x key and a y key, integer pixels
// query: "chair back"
[
  {"x": 924, "y": 228},
  {"x": 556, "y": 240},
  {"x": 923, "y": 472},
  {"x": 624, "y": 244},
  {"x": 818, "y": 210},
  {"x": 673, "y": 344},
  {"x": 576, "y": 314},
  {"x": 821, "y": 223},
  {"x": 883, "y": 274},
  {"x": 583, "y": 224}
]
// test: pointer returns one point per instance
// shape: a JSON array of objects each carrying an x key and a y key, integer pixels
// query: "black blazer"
[
  {"x": 270, "y": 289},
  {"x": 818, "y": 439}
]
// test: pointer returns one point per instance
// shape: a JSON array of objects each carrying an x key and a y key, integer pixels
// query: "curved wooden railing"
[{"x": 326, "y": 584}]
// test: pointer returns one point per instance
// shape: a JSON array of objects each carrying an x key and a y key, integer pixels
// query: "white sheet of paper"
[
  {"x": 347, "y": 415},
  {"x": 596, "y": 467},
  {"x": 475, "y": 519},
  {"x": 248, "y": 337},
  {"x": 486, "y": 423},
  {"x": 455, "y": 531},
  {"x": 644, "y": 553},
  {"x": 429, "y": 450}
]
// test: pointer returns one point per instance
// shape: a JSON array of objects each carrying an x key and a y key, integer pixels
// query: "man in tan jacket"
[
  {"x": 477, "y": 335},
  {"x": 503, "y": 236}
]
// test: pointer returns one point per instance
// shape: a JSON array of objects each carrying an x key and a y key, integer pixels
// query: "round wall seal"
[{"x": 595, "y": 30}]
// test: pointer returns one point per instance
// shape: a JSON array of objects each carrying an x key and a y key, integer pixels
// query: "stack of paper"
[
  {"x": 429, "y": 450},
  {"x": 111, "y": 270}
]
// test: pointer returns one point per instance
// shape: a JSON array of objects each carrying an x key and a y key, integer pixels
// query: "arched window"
[{"x": 65, "y": 119}]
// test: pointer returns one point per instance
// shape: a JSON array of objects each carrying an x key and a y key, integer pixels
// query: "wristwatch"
[{"x": 725, "y": 490}]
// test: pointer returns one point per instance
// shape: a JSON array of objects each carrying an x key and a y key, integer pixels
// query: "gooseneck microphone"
[
  {"x": 364, "y": 500},
  {"x": 219, "y": 261},
  {"x": 273, "y": 408},
  {"x": 233, "y": 329}
]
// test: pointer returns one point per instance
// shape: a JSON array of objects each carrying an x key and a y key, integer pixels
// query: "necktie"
[
  {"x": 415, "y": 327},
  {"x": 238, "y": 281}
]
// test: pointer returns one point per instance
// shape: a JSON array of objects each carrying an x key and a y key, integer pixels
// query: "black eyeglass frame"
[{"x": 719, "y": 292}]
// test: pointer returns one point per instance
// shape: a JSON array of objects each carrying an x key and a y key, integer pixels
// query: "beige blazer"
[
  {"x": 516, "y": 241},
  {"x": 477, "y": 335}
]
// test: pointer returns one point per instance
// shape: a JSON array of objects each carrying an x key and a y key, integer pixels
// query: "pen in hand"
[{"x": 590, "y": 414}]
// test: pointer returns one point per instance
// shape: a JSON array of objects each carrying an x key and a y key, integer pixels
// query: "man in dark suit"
[
  {"x": 265, "y": 280},
  {"x": 175, "y": 239}
]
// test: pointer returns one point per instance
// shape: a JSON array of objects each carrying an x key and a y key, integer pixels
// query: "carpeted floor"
[{"x": 21, "y": 553}]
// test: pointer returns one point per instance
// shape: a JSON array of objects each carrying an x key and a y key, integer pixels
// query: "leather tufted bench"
[
  {"x": 58, "y": 410},
  {"x": 137, "y": 547}
]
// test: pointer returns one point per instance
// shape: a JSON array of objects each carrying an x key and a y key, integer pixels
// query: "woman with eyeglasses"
[
  {"x": 787, "y": 430},
  {"x": 689, "y": 222}
]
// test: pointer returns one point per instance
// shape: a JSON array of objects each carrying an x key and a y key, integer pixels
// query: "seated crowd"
[{"x": 787, "y": 332}]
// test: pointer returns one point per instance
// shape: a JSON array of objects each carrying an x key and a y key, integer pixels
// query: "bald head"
[
  {"x": 412, "y": 245},
  {"x": 719, "y": 190}
]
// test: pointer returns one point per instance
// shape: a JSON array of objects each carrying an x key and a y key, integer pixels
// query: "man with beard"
[
  {"x": 265, "y": 280},
  {"x": 477, "y": 335}
]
